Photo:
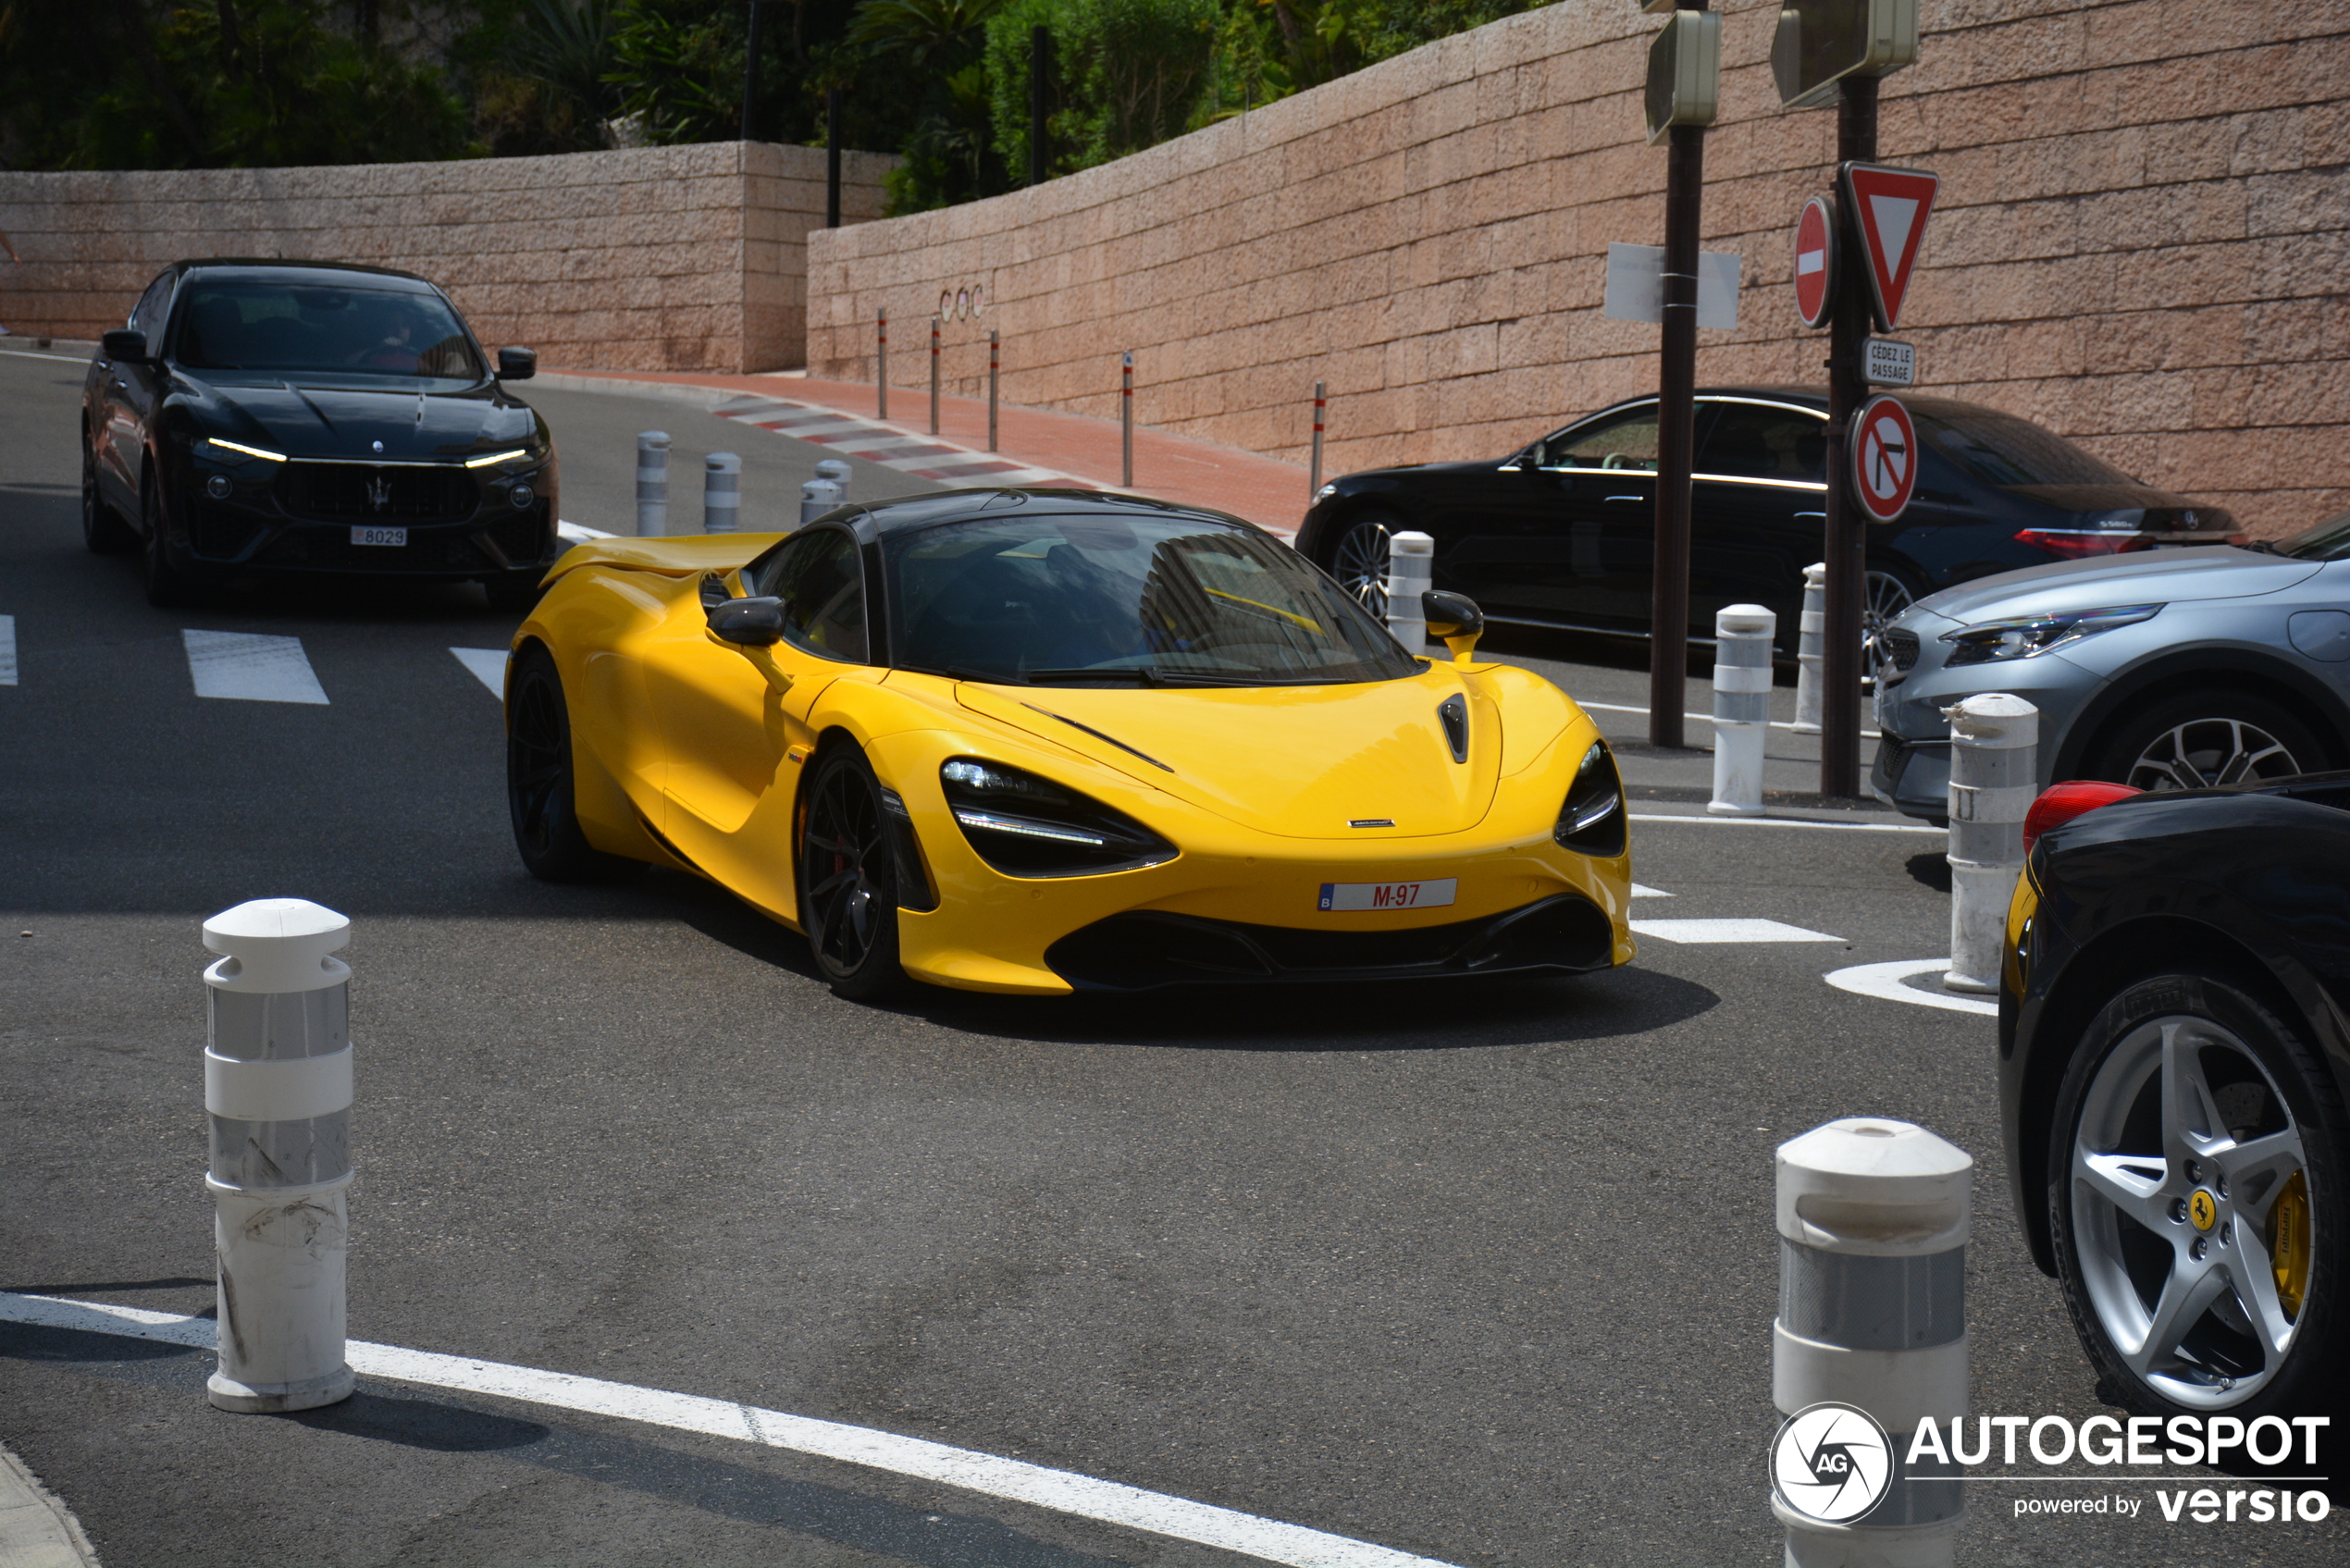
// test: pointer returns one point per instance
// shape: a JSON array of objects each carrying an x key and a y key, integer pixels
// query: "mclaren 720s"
[{"x": 1045, "y": 741}]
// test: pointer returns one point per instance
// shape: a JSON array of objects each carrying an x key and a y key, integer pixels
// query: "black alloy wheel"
[
  {"x": 2199, "y": 739},
  {"x": 1359, "y": 559},
  {"x": 102, "y": 529},
  {"x": 2195, "y": 1203},
  {"x": 540, "y": 795},
  {"x": 848, "y": 877},
  {"x": 1887, "y": 594},
  {"x": 165, "y": 586}
]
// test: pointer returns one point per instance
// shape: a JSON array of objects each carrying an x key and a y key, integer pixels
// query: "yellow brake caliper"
[{"x": 2289, "y": 1243}]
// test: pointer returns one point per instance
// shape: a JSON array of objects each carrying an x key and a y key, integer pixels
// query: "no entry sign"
[
  {"x": 1815, "y": 262},
  {"x": 1884, "y": 458},
  {"x": 1890, "y": 210}
]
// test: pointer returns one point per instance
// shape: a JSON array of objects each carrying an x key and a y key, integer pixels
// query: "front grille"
[
  {"x": 522, "y": 538},
  {"x": 217, "y": 531},
  {"x": 362, "y": 492},
  {"x": 1902, "y": 646}
]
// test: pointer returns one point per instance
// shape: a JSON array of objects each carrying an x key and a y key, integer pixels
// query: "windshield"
[
  {"x": 1998, "y": 448},
  {"x": 1095, "y": 601},
  {"x": 2330, "y": 540},
  {"x": 281, "y": 327}
]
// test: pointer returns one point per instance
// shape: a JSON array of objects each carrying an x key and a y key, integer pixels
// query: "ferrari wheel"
[
  {"x": 102, "y": 529},
  {"x": 847, "y": 878},
  {"x": 2195, "y": 1202},
  {"x": 165, "y": 585},
  {"x": 538, "y": 779},
  {"x": 1359, "y": 560}
]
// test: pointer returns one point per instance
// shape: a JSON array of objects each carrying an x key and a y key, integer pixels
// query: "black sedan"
[
  {"x": 1562, "y": 533},
  {"x": 262, "y": 418},
  {"x": 2174, "y": 1060}
]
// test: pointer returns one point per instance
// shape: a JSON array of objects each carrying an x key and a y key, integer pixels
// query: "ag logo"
[{"x": 1831, "y": 1462}]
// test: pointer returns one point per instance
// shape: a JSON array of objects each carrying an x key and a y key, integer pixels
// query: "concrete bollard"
[
  {"x": 652, "y": 484},
  {"x": 1411, "y": 571},
  {"x": 1810, "y": 648},
  {"x": 1993, "y": 779},
  {"x": 1126, "y": 420},
  {"x": 1870, "y": 1340},
  {"x": 278, "y": 1096},
  {"x": 1743, "y": 635},
  {"x": 722, "y": 493},
  {"x": 816, "y": 497},
  {"x": 836, "y": 469}
]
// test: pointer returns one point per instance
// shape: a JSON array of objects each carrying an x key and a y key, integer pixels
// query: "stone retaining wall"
[
  {"x": 661, "y": 258},
  {"x": 2140, "y": 242}
]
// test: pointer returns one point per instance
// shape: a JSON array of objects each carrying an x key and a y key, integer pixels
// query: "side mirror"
[
  {"x": 126, "y": 344},
  {"x": 751, "y": 622},
  {"x": 1529, "y": 460},
  {"x": 1455, "y": 618},
  {"x": 517, "y": 364}
]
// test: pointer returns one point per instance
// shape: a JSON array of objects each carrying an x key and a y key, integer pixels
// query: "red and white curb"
[{"x": 924, "y": 457}]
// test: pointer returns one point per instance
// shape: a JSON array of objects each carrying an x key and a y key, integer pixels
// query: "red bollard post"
[{"x": 1126, "y": 418}]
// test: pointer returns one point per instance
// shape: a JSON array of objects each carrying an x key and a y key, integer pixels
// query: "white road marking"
[
  {"x": 1640, "y": 892},
  {"x": 1061, "y": 1490},
  {"x": 7, "y": 651},
  {"x": 1885, "y": 980},
  {"x": 574, "y": 534},
  {"x": 251, "y": 667},
  {"x": 1785, "y": 822},
  {"x": 28, "y": 353},
  {"x": 1727, "y": 931},
  {"x": 488, "y": 666},
  {"x": 1702, "y": 718},
  {"x": 939, "y": 460}
]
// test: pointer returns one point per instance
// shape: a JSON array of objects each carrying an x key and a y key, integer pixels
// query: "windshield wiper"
[{"x": 1137, "y": 674}]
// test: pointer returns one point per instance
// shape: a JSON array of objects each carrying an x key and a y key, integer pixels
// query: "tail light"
[
  {"x": 2077, "y": 544},
  {"x": 2058, "y": 804}
]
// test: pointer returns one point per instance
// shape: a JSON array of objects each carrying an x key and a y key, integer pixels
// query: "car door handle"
[
  {"x": 1635, "y": 499},
  {"x": 1821, "y": 516}
]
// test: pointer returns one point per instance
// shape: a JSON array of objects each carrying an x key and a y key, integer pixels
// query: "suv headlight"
[
  {"x": 1591, "y": 821},
  {"x": 1027, "y": 826},
  {"x": 1997, "y": 640}
]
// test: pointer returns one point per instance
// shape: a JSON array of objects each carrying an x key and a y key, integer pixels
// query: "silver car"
[{"x": 2165, "y": 669}]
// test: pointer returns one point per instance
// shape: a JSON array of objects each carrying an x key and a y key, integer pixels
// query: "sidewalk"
[
  {"x": 1176, "y": 468},
  {"x": 37, "y": 1530}
]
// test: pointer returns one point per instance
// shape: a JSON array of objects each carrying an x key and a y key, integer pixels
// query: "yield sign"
[
  {"x": 1884, "y": 458},
  {"x": 1815, "y": 262},
  {"x": 1890, "y": 207}
]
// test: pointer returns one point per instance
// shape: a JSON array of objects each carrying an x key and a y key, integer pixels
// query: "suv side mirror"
[
  {"x": 1455, "y": 618},
  {"x": 517, "y": 364},
  {"x": 1529, "y": 460},
  {"x": 126, "y": 344},
  {"x": 749, "y": 622}
]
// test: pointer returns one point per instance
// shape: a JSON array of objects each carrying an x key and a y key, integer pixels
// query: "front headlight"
[
  {"x": 1591, "y": 821},
  {"x": 1997, "y": 640},
  {"x": 1324, "y": 494},
  {"x": 500, "y": 459},
  {"x": 1027, "y": 826}
]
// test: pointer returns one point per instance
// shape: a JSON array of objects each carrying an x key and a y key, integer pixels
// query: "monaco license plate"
[
  {"x": 378, "y": 536},
  {"x": 1351, "y": 895}
]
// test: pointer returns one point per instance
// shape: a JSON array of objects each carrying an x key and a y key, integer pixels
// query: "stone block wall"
[
  {"x": 2142, "y": 237},
  {"x": 660, "y": 258}
]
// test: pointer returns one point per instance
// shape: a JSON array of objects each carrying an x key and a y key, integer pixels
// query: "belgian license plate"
[
  {"x": 1351, "y": 895},
  {"x": 378, "y": 536}
]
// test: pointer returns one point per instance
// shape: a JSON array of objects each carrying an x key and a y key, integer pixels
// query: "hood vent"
[{"x": 1454, "y": 711}]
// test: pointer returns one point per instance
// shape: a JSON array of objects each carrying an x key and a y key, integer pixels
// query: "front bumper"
[{"x": 272, "y": 521}]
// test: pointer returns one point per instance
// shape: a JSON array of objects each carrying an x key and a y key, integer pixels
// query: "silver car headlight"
[
  {"x": 1324, "y": 494},
  {"x": 1997, "y": 640}
]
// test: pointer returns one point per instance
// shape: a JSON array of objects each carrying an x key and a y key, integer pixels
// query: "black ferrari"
[
  {"x": 1563, "y": 533},
  {"x": 259, "y": 419},
  {"x": 2174, "y": 1063}
]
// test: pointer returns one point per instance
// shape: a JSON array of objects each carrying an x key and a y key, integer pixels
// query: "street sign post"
[
  {"x": 1884, "y": 458},
  {"x": 1815, "y": 262},
  {"x": 1890, "y": 207}
]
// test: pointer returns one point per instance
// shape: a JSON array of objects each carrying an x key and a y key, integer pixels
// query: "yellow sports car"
[{"x": 1043, "y": 741}]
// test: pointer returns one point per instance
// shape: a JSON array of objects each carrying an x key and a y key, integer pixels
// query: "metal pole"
[
  {"x": 1040, "y": 46},
  {"x": 750, "y": 71},
  {"x": 831, "y": 157},
  {"x": 881, "y": 362},
  {"x": 1126, "y": 420},
  {"x": 994, "y": 360},
  {"x": 1676, "y": 417},
  {"x": 1314, "y": 474},
  {"x": 934, "y": 376},
  {"x": 1847, "y": 550}
]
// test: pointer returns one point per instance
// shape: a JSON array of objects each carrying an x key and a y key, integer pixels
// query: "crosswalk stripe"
[
  {"x": 249, "y": 667},
  {"x": 1727, "y": 931},
  {"x": 487, "y": 665},
  {"x": 1640, "y": 892},
  {"x": 7, "y": 651}
]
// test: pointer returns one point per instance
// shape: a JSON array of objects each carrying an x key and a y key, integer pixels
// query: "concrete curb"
[{"x": 37, "y": 1530}]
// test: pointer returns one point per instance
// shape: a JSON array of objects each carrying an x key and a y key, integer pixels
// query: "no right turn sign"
[{"x": 1884, "y": 458}]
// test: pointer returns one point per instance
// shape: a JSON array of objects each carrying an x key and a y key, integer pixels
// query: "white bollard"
[
  {"x": 1743, "y": 635},
  {"x": 816, "y": 497},
  {"x": 1810, "y": 648},
  {"x": 277, "y": 1097},
  {"x": 1993, "y": 779},
  {"x": 722, "y": 493},
  {"x": 1870, "y": 1341},
  {"x": 1411, "y": 571},
  {"x": 652, "y": 484},
  {"x": 837, "y": 470}
]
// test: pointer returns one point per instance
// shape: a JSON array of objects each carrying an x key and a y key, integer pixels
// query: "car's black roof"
[
  {"x": 1805, "y": 397},
  {"x": 266, "y": 269},
  {"x": 950, "y": 506}
]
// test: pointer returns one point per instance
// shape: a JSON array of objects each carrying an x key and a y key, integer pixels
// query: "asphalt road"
[{"x": 1484, "y": 1273}]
